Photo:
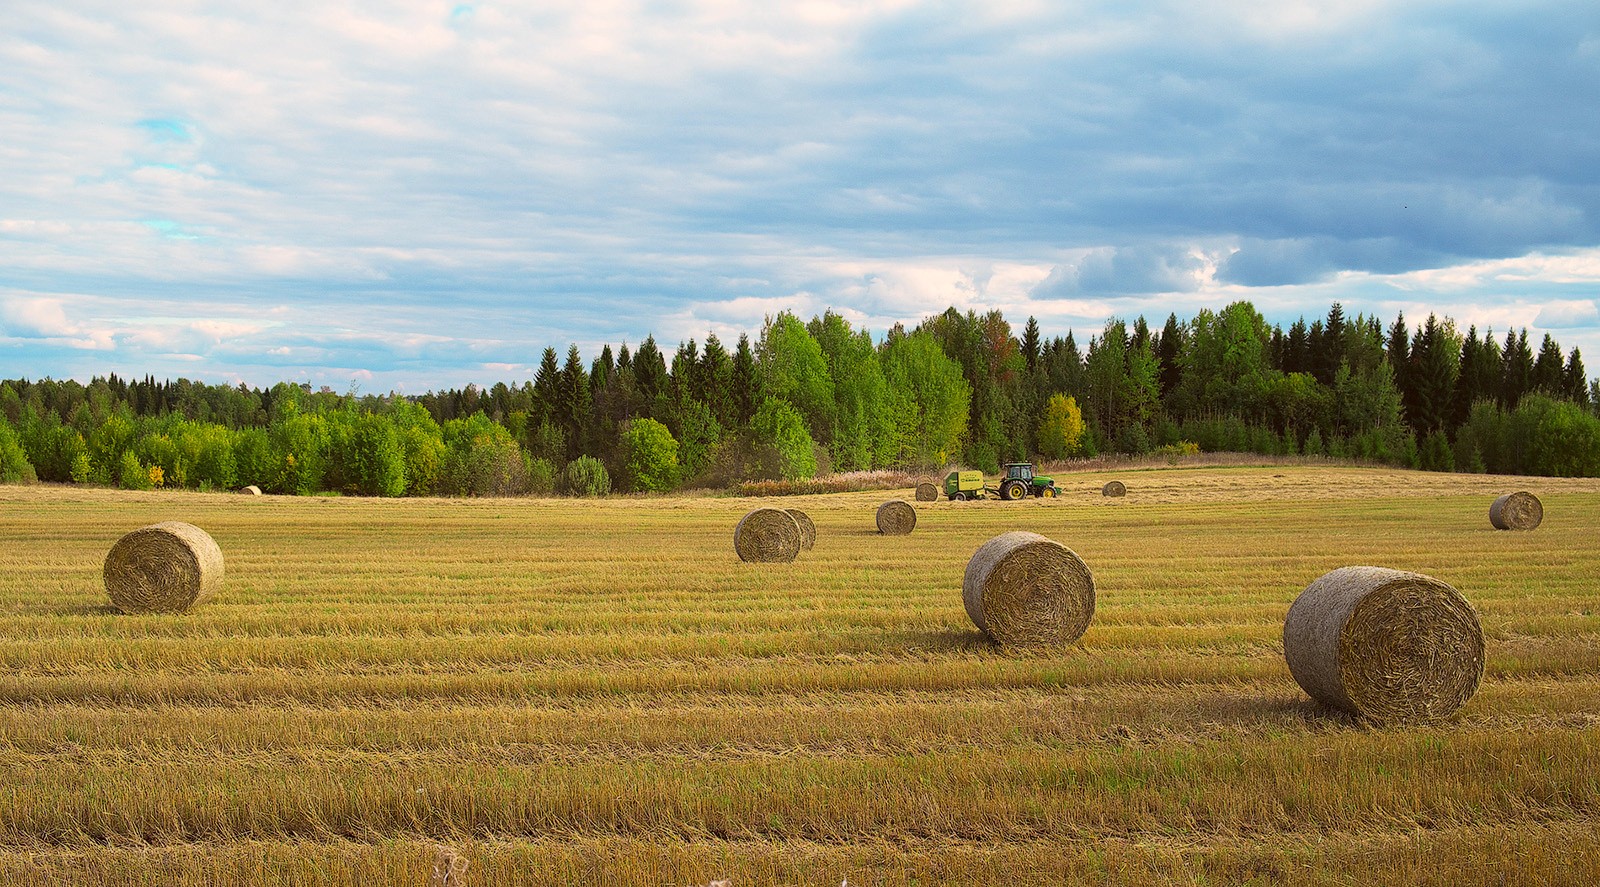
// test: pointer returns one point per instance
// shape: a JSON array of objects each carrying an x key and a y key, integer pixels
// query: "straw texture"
[
  {"x": 1516, "y": 511},
  {"x": 1024, "y": 590},
  {"x": 1391, "y": 646},
  {"x": 163, "y": 568},
  {"x": 1114, "y": 488},
  {"x": 767, "y": 535},
  {"x": 808, "y": 530},
  {"x": 927, "y": 492},
  {"x": 896, "y": 517},
  {"x": 251, "y": 490}
]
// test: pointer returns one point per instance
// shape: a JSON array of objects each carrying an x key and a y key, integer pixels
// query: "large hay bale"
[
  {"x": 1516, "y": 511},
  {"x": 163, "y": 568},
  {"x": 1392, "y": 646},
  {"x": 896, "y": 517},
  {"x": 1024, "y": 590},
  {"x": 1114, "y": 488},
  {"x": 808, "y": 530},
  {"x": 927, "y": 492},
  {"x": 251, "y": 490},
  {"x": 767, "y": 535}
]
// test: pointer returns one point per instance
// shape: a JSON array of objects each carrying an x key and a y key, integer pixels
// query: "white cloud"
[
  {"x": 1568, "y": 314},
  {"x": 37, "y": 318}
]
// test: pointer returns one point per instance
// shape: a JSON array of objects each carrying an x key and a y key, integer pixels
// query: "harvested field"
[{"x": 637, "y": 706}]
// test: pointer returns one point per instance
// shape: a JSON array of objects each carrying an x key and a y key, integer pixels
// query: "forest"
[{"x": 812, "y": 398}]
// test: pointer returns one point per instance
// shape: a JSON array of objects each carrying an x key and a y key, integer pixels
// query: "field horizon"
[{"x": 598, "y": 692}]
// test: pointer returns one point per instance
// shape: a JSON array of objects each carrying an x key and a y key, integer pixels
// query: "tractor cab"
[{"x": 1022, "y": 471}]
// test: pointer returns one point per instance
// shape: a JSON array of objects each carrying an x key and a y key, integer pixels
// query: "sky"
[{"x": 409, "y": 195}]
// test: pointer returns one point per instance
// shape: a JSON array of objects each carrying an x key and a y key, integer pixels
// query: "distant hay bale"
[
  {"x": 1024, "y": 590},
  {"x": 808, "y": 530},
  {"x": 1516, "y": 511},
  {"x": 1391, "y": 646},
  {"x": 163, "y": 568},
  {"x": 1114, "y": 488},
  {"x": 767, "y": 535},
  {"x": 927, "y": 492},
  {"x": 251, "y": 490},
  {"x": 896, "y": 517}
]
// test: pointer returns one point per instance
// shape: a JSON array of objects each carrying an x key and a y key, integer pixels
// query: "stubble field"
[{"x": 580, "y": 692}]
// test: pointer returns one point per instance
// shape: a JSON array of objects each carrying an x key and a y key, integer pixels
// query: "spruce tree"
[
  {"x": 1575, "y": 381},
  {"x": 1516, "y": 369},
  {"x": 1547, "y": 369},
  {"x": 1030, "y": 343}
]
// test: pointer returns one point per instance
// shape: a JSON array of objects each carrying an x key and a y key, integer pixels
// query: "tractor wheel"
[
  {"x": 1013, "y": 490},
  {"x": 958, "y": 497},
  {"x": 1054, "y": 492}
]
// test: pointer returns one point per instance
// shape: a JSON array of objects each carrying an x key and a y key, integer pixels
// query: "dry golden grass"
[{"x": 601, "y": 693}]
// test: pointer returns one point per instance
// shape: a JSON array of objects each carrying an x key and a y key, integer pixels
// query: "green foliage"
[
  {"x": 584, "y": 476},
  {"x": 422, "y": 445},
  {"x": 699, "y": 432},
  {"x": 254, "y": 460},
  {"x": 303, "y": 443},
  {"x": 960, "y": 386},
  {"x": 778, "y": 428},
  {"x": 1559, "y": 438},
  {"x": 541, "y": 477},
  {"x": 794, "y": 370},
  {"x": 481, "y": 459},
  {"x": 650, "y": 456},
  {"x": 377, "y": 459},
  {"x": 14, "y": 465},
  {"x": 863, "y": 431},
  {"x": 928, "y": 401},
  {"x": 132, "y": 474}
]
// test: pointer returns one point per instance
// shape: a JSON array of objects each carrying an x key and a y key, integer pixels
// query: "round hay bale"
[
  {"x": 163, "y": 568},
  {"x": 768, "y": 536},
  {"x": 251, "y": 490},
  {"x": 1024, "y": 590},
  {"x": 808, "y": 530},
  {"x": 927, "y": 492},
  {"x": 896, "y": 517},
  {"x": 1391, "y": 646},
  {"x": 1516, "y": 511},
  {"x": 1114, "y": 488}
]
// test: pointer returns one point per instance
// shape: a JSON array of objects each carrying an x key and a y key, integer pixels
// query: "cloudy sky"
[{"x": 410, "y": 194}]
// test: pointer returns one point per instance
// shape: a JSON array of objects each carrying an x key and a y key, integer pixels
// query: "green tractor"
[{"x": 1020, "y": 481}]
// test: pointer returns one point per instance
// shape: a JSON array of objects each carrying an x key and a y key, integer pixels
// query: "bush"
[
  {"x": 650, "y": 456},
  {"x": 131, "y": 474},
  {"x": 376, "y": 460},
  {"x": 778, "y": 426},
  {"x": 14, "y": 465},
  {"x": 254, "y": 461},
  {"x": 541, "y": 476},
  {"x": 584, "y": 476},
  {"x": 1561, "y": 438}
]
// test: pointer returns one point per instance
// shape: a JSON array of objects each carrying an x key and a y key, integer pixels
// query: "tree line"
[{"x": 822, "y": 396}]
